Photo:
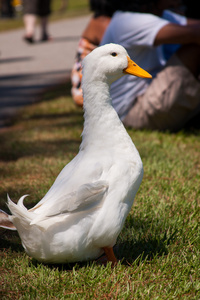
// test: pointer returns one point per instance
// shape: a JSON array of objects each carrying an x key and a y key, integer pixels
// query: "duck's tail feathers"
[
  {"x": 19, "y": 210},
  {"x": 5, "y": 222}
]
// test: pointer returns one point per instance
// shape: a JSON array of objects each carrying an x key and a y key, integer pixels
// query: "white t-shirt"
[{"x": 136, "y": 32}]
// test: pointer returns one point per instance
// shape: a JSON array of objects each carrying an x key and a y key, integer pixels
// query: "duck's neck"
[
  {"x": 101, "y": 120},
  {"x": 97, "y": 102}
]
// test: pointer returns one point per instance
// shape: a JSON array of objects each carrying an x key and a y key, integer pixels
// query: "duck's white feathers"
[
  {"x": 85, "y": 197},
  {"x": 87, "y": 205}
]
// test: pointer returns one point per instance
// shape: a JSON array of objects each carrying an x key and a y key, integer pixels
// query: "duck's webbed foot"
[{"x": 110, "y": 256}]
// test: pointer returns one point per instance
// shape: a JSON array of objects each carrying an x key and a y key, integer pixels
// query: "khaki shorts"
[{"x": 169, "y": 102}]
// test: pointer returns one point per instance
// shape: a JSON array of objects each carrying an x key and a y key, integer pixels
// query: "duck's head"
[{"x": 110, "y": 62}]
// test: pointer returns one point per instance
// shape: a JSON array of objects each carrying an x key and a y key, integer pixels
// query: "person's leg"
[
  {"x": 44, "y": 28},
  {"x": 29, "y": 23},
  {"x": 173, "y": 97},
  {"x": 30, "y": 16},
  {"x": 190, "y": 57},
  {"x": 44, "y": 10}
]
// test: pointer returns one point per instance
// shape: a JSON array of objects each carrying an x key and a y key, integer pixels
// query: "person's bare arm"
[
  {"x": 179, "y": 34},
  {"x": 193, "y": 21}
]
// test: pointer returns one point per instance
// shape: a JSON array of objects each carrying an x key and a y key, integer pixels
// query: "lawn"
[
  {"x": 74, "y": 8},
  {"x": 159, "y": 247}
]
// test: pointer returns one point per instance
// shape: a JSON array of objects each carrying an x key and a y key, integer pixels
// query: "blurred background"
[{"x": 11, "y": 11}]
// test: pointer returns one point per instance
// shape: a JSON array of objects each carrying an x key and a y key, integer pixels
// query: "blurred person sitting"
[
  {"x": 167, "y": 45},
  {"x": 90, "y": 39}
]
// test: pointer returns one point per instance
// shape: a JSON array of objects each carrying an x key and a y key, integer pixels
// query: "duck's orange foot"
[{"x": 110, "y": 255}]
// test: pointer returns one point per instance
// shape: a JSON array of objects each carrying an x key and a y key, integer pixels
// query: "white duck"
[{"x": 84, "y": 211}]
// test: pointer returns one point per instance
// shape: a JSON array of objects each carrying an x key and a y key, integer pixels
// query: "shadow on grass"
[
  {"x": 62, "y": 89},
  {"x": 19, "y": 149},
  {"x": 64, "y": 267},
  {"x": 61, "y": 115},
  {"x": 10, "y": 239},
  {"x": 12, "y": 148},
  {"x": 146, "y": 248},
  {"x": 145, "y": 238}
]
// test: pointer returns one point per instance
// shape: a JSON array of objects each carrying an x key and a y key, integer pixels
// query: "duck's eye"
[{"x": 114, "y": 54}]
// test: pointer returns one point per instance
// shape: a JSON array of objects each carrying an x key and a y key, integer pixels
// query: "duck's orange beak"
[{"x": 134, "y": 69}]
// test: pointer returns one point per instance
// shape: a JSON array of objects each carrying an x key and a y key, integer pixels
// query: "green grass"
[
  {"x": 75, "y": 8},
  {"x": 159, "y": 247}
]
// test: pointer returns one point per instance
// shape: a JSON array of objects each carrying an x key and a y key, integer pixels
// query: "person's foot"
[
  {"x": 46, "y": 38},
  {"x": 29, "y": 39}
]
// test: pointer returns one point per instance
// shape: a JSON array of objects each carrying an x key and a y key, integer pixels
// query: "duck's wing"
[{"x": 85, "y": 197}]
